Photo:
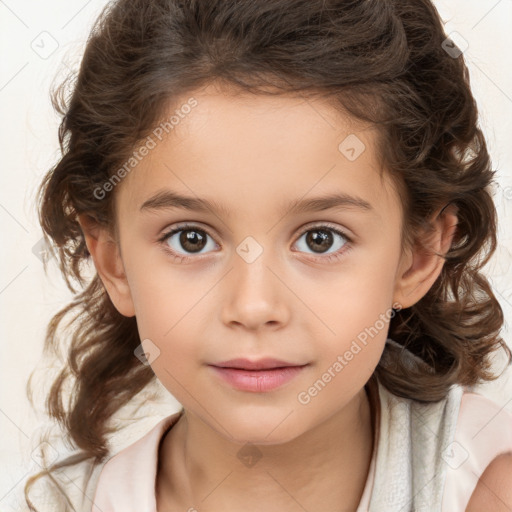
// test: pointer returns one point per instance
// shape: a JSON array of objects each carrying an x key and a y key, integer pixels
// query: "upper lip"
[{"x": 260, "y": 364}]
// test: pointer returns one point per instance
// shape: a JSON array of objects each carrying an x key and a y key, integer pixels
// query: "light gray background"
[{"x": 42, "y": 39}]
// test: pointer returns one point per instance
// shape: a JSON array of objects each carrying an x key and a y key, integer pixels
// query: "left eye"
[{"x": 321, "y": 238}]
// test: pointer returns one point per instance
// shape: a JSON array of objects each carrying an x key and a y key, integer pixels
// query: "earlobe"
[
  {"x": 105, "y": 253},
  {"x": 423, "y": 263}
]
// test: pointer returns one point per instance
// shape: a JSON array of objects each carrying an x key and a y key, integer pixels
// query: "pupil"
[
  {"x": 320, "y": 239},
  {"x": 192, "y": 240}
]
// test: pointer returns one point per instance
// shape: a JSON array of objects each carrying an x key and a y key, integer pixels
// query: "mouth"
[
  {"x": 259, "y": 376},
  {"x": 266, "y": 363}
]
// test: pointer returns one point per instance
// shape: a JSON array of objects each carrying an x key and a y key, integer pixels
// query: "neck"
[{"x": 324, "y": 468}]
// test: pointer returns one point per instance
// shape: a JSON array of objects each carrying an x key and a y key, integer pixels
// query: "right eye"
[{"x": 191, "y": 239}]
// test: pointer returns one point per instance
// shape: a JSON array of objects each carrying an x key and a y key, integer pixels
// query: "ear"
[
  {"x": 109, "y": 265},
  {"x": 422, "y": 264}
]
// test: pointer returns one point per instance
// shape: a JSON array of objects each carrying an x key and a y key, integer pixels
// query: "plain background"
[{"x": 43, "y": 40}]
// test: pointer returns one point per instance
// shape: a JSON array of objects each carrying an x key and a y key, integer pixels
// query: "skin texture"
[
  {"x": 494, "y": 489},
  {"x": 253, "y": 155}
]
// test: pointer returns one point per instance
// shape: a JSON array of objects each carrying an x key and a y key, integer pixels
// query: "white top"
[{"x": 427, "y": 456}]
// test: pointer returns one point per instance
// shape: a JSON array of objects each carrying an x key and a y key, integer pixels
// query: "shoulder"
[
  {"x": 494, "y": 488},
  {"x": 484, "y": 472}
]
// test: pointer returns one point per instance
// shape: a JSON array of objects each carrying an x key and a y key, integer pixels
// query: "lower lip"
[{"x": 258, "y": 381}]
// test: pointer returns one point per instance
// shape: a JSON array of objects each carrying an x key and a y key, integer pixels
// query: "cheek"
[
  {"x": 167, "y": 309},
  {"x": 163, "y": 297},
  {"x": 348, "y": 351},
  {"x": 354, "y": 298},
  {"x": 167, "y": 319},
  {"x": 354, "y": 308}
]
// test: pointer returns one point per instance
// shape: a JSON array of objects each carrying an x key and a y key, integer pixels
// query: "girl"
[{"x": 310, "y": 378}]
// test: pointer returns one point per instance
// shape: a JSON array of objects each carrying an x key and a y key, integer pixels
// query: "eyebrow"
[{"x": 168, "y": 199}]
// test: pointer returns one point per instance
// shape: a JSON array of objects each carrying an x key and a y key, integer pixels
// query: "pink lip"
[
  {"x": 258, "y": 381},
  {"x": 266, "y": 363}
]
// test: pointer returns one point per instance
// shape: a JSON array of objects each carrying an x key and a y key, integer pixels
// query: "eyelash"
[{"x": 336, "y": 256}]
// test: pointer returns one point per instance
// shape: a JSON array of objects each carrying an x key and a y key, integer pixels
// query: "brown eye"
[
  {"x": 185, "y": 240},
  {"x": 320, "y": 239},
  {"x": 192, "y": 240}
]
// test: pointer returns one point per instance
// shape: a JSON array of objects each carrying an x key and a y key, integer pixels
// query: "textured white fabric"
[
  {"x": 409, "y": 469},
  {"x": 429, "y": 457}
]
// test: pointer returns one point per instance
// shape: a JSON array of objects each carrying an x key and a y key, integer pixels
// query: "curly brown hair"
[{"x": 382, "y": 61}]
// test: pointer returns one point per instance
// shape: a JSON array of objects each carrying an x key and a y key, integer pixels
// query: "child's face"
[{"x": 255, "y": 289}]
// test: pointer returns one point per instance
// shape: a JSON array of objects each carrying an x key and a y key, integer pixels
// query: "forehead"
[{"x": 244, "y": 151}]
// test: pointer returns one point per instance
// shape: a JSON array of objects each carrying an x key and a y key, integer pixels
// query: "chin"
[{"x": 261, "y": 429}]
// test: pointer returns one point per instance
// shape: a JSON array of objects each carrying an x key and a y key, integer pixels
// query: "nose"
[{"x": 254, "y": 294}]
